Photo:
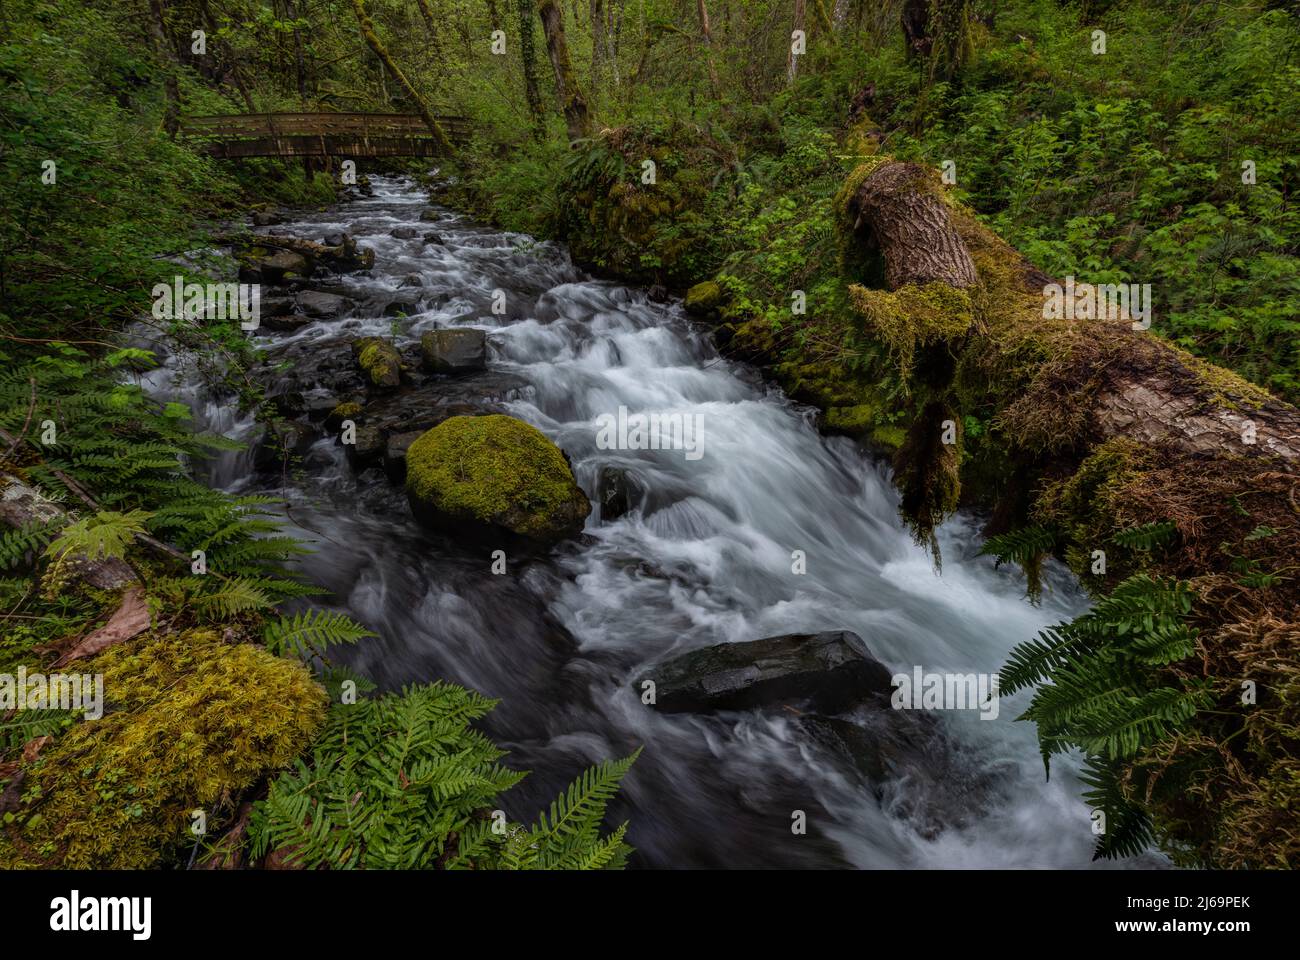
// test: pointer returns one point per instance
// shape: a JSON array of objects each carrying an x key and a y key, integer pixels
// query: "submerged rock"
[
  {"x": 830, "y": 672},
  {"x": 494, "y": 475},
  {"x": 395, "y": 450},
  {"x": 617, "y": 492},
  {"x": 454, "y": 350},
  {"x": 404, "y": 233}
]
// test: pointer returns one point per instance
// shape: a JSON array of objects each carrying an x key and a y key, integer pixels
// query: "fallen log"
[{"x": 1093, "y": 378}]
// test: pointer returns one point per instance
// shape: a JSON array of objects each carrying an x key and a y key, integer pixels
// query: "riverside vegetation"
[{"x": 686, "y": 147}]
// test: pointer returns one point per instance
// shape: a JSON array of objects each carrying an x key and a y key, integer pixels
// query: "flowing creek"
[{"x": 705, "y": 559}]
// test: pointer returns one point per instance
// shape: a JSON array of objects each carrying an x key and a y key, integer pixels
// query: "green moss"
[
  {"x": 1225, "y": 387},
  {"x": 889, "y": 436},
  {"x": 379, "y": 361},
  {"x": 703, "y": 298},
  {"x": 190, "y": 721},
  {"x": 854, "y": 420},
  {"x": 348, "y": 410},
  {"x": 913, "y": 317},
  {"x": 496, "y": 471},
  {"x": 1088, "y": 507}
]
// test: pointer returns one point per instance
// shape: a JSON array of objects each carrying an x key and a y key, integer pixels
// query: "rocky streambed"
[{"x": 765, "y": 590}]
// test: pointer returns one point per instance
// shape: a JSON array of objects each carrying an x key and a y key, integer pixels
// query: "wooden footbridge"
[{"x": 320, "y": 134}]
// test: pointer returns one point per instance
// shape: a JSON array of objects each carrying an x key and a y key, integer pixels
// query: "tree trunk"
[
  {"x": 911, "y": 228},
  {"x": 573, "y": 104},
  {"x": 524, "y": 9},
  {"x": 792, "y": 63},
  {"x": 702, "y": 11},
  {"x": 1107, "y": 378},
  {"x": 167, "y": 54},
  {"x": 597, "y": 14},
  {"x": 373, "y": 41}
]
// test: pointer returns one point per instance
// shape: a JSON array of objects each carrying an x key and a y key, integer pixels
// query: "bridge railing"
[{"x": 252, "y": 126}]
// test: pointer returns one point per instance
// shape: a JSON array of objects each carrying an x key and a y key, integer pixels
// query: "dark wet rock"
[
  {"x": 617, "y": 492},
  {"x": 829, "y": 672},
  {"x": 268, "y": 265},
  {"x": 307, "y": 372},
  {"x": 320, "y": 305},
  {"x": 368, "y": 448},
  {"x": 265, "y": 218},
  {"x": 430, "y": 216},
  {"x": 334, "y": 239},
  {"x": 853, "y": 744},
  {"x": 434, "y": 238},
  {"x": 404, "y": 233},
  {"x": 454, "y": 350},
  {"x": 402, "y": 306},
  {"x": 285, "y": 263},
  {"x": 280, "y": 443},
  {"x": 395, "y": 453},
  {"x": 412, "y": 280},
  {"x": 658, "y": 293},
  {"x": 276, "y": 306},
  {"x": 286, "y": 323}
]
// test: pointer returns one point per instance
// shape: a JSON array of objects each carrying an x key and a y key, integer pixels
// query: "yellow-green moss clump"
[
  {"x": 703, "y": 298},
  {"x": 190, "y": 721},
  {"x": 494, "y": 473},
  {"x": 914, "y": 317},
  {"x": 379, "y": 361}
]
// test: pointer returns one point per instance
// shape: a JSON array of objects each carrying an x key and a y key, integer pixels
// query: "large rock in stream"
[
  {"x": 829, "y": 672},
  {"x": 494, "y": 475}
]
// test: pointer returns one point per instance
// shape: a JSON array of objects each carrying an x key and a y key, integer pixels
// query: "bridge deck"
[{"x": 320, "y": 134}]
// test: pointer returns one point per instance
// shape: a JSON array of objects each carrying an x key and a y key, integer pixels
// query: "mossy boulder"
[
  {"x": 379, "y": 361},
  {"x": 492, "y": 475},
  {"x": 703, "y": 298},
  {"x": 190, "y": 722},
  {"x": 347, "y": 410}
]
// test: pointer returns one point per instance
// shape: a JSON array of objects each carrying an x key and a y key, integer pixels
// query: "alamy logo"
[
  {"x": 74, "y": 913},
  {"x": 58, "y": 691},
  {"x": 179, "y": 300},
  {"x": 946, "y": 691},
  {"x": 1103, "y": 301},
  {"x": 653, "y": 431}
]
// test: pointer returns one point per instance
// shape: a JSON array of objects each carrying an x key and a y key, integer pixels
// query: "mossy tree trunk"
[
  {"x": 1117, "y": 381},
  {"x": 528, "y": 56},
  {"x": 939, "y": 32},
  {"x": 377, "y": 47},
  {"x": 577, "y": 118},
  {"x": 167, "y": 54}
]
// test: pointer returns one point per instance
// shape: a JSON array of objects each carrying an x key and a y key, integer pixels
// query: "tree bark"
[
  {"x": 167, "y": 54},
  {"x": 1117, "y": 382},
  {"x": 377, "y": 47},
  {"x": 792, "y": 62},
  {"x": 911, "y": 228},
  {"x": 702, "y": 12},
  {"x": 577, "y": 118},
  {"x": 528, "y": 55}
]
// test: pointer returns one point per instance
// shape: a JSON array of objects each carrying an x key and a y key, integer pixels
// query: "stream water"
[{"x": 706, "y": 558}]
